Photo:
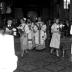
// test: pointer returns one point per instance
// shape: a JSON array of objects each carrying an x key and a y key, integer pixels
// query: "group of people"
[{"x": 34, "y": 34}]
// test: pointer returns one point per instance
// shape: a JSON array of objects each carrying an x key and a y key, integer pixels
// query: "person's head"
[
  {"x": 21, "y": 21},
  {"x": 39, "y": 19},
  {"x": 28, "y": 20},
  {"x": 9, "y": 22},
  {"x": 57, "y": 21}
]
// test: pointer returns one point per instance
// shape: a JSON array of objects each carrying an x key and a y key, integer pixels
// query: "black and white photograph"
[{"x": 35, "y": 35}]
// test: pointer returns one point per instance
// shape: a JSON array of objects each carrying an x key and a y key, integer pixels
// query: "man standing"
[{"x": 40, "y": 35}]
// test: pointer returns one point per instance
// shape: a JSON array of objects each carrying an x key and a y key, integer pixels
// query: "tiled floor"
[{"x": 43, "y": 61}]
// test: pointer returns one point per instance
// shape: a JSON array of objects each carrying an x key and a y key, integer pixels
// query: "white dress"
[
  {"x": 55, "y": 40},
  {"x": 23, "y": 38},
  {"x": 8, "y": 60}
]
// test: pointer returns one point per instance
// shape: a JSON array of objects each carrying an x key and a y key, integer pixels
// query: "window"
[{"x": 66, "y": 4}]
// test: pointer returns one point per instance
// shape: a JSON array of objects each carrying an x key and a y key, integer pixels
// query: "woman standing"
[
  {"x": 55, "y": 41},
  {"x": 23, "y": 37}
]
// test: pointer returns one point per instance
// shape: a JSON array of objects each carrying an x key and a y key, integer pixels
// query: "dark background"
[{"x": 48, "y": 8}]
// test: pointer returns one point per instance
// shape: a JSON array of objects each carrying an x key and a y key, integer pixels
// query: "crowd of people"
[
  {"x": 35, "y": 34},
  {"x": 32, "y": 34}
]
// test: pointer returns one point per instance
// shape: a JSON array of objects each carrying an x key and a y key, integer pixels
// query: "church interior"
[{"x": 25, "y": 29}]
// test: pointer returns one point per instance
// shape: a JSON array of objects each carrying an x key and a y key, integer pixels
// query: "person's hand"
[{"x": 14, "y": 29}]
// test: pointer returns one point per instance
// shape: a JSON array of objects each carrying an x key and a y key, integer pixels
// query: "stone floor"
[{"x": 42, "y": 61}]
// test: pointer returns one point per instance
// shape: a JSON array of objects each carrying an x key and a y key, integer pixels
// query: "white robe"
[
  {"x": 40, "y": 37},
  {"x": 8, "y": 60},
  {"x": 36, "y": 35},
  {"x": 43, "y": 35},
  {"x": 55, "y": 40},
  {"x": 30, "y": 37}
]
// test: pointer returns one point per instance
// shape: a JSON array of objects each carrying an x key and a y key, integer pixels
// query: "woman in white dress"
[
  {"x": 23, "y": 37},
  {"x": 55, "y": 40}
]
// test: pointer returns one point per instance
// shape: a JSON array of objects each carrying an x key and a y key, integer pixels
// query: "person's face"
[
  {"x": 9, "y": 22},
  {"x": 21, "y": 21},
  {"x": 28, "y": 20},
  {"x": 57, "y": 20},
  {"x": 39, "y": 19}
]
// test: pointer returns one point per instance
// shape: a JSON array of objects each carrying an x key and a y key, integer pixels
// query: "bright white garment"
[
  {"x": 8, "y": 60},
  {"x": 55, "y": 40},
  {"x": 71, "y": 30},
  {"x": 71, "y": 34},
  {"x": 36, "y": 35},
  {"x": 27, "y": 29},
  {"x": 40, "y": 37},
  {"x": 30, "y": 37},
  {"x": 39, "y": 23},
  {"x": 21, "y": 26}
]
